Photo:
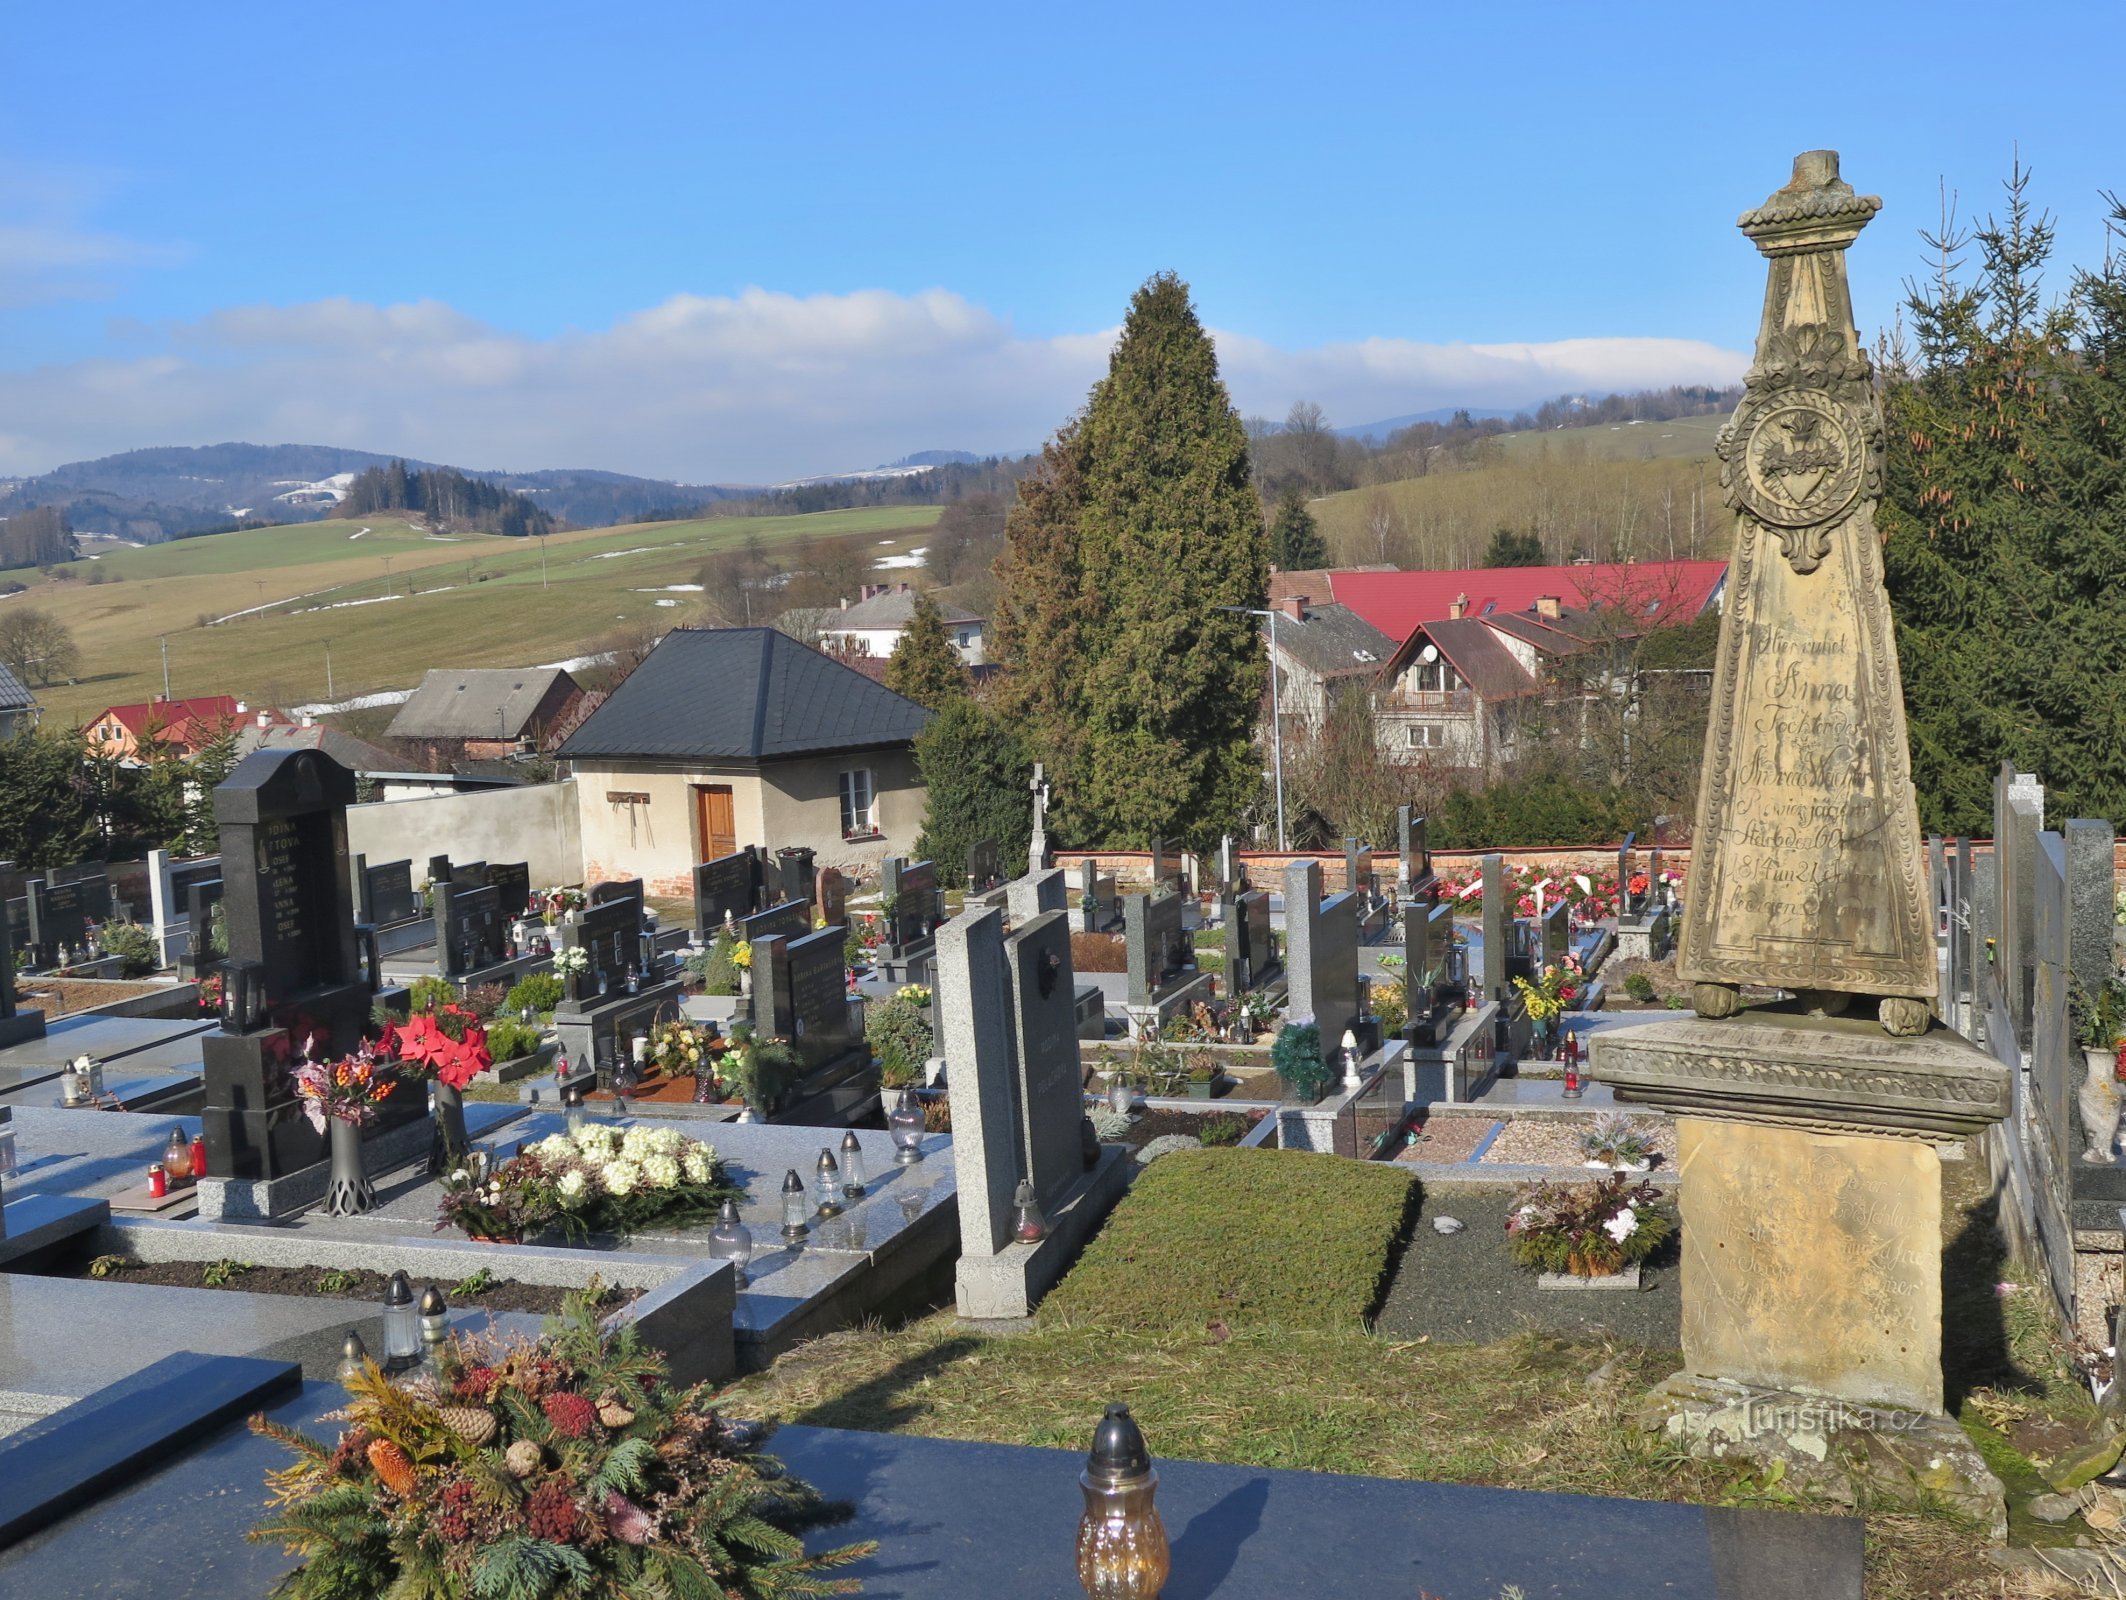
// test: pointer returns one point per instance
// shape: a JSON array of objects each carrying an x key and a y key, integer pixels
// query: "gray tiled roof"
[
  {"x": 13, "y": 696},
  {"x": 744, "y": 694},
  {"x": 1333, "y": 641},
  {"x": 889, "y": 610},
  {"x": 474, "y": 702}
]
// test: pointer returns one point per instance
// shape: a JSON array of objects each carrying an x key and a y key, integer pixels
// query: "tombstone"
[
  {"x": 1037, "y": 856},
  {"x": 1497, "y": 918},
  {"x": 61, "y": 915},
  {"x": 200, "y": 951},
  {"x": 1811, "y": 1199},
  {"x": 1158, "y": 861},
  {"x": 1008, "y": 1027},
  {"x": 1042, "y": 890},
  {"x": 610, "y": 936},
  {"x": 388, "y": 895},
  {"x": 511, "y": 881},
  {"x": 2018, "y": 817},
  {"x": 16, "y": 1024},
  {"x": 1320, "y": 955},
  {"x": 613, "y": 889},
  {"x": 911, "y": 890},
  {"x": 985, "y": 866},
  {"x": 790, "y": 920},
  {"x": 795, "y": 874},
  {"x": 1157, "y": 949},
  {"x": 438, "y": 869},
  {"x": 1358, "y": 870},
  {"x": 1555, "y": 932},
  {"x": 1096, "y": 898},
  {"x": 1250, "y": 955},
  {"x": 1229, "y": 873},
  {"x": 727, "y": 886},
  {"x": 1628, "y": 904},
  {"x": 1413, "y": 857},
  {"x": 471, "y": 931},
  {"x": 833, "y": 897},
  {"x": 799, "y": 994},
  {"x": 293, "y": 960}
]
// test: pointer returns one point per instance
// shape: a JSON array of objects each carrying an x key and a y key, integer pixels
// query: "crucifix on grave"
[{"x": 1037, "y": 846}]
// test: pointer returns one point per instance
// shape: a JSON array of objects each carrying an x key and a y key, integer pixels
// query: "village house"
[
  {"x": 18, "y": 708},
  {"x": 728, "y": 737},
  {"x": 1319, "y": 649},
  {"x": 875, "y": 623},
  {"x": 177, "y": 727},
  {"x": 488, "y": 714}
]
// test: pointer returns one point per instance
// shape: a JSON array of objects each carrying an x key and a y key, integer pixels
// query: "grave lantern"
[
  {"x": 1122, "y": 1550},
  {"x": 354, "y": 1356},
  {"x": 827, "y": 1184},
  {"x": 794, "y": 1207},
  {"x": 402, "y": 1329},
  {"x": 242, "y": 995},
  {"x": 1120, "y": 1093},
  {"x": 852, "y": 1165},
  {"x": 906, "y": 1124},
  {"x": 177, "y": 1156},
  {"x": 731, "y": 1240},
  {"x": 1349, "y": 1045},
  {"x": 1028, "y": 1225},
  {"x": 434, "y": 1329},
  {"x": 572, "y": 1109}
]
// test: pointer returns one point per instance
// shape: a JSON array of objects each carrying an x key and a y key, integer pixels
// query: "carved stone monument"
[
  {"x": 1806, "y": 872},
  {"x": 1811, "y": 1187}
]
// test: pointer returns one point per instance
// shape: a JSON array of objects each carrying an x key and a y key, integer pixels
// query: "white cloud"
[
  {"x": 48, "y": 251},
  {"x": 753, "y": 387}
]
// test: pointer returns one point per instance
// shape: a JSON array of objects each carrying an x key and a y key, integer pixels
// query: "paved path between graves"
[{"x": 1465, "y": 1288}]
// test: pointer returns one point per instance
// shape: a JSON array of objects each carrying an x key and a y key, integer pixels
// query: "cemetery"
[{"x": 1731, "y": 1212}]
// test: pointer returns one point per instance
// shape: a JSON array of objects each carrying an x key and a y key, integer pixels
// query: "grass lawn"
[
  {"x": 391, "y": 603},
  {"x": 1222, "y": 1301}
]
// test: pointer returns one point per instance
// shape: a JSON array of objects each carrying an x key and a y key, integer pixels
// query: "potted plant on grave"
[
  {"x": 596, "y": 1179},
  {"x": 568, "y": 1464},
  {"x": 209, "y": 995},
  {"x": 342, "y": 1095},
  {"x": 680, "y": 1048},
  {"x": 1202, "y": 1069},
  {"x": 899, "y": 1032},
  {"x": 1587, "y": 1230},
  {"x": 1617, "y": 1142},
  {"x": 446, "y": 1048},
  {"x": 1545, "y": 1001},
  {"x": 2100, "y": 1020},
  {"x": 1258, "y": 1011},
  {"x": 1296, "y": 1056}
]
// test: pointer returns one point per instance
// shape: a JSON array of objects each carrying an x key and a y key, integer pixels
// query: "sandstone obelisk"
[{"x": 1805, "y": 869}]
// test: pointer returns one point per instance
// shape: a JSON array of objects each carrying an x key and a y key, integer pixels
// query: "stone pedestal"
[{"x": 1812, "y": 1244}]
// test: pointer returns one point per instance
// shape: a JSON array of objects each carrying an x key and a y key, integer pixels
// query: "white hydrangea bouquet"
[{"x": 598, "y": 1179}]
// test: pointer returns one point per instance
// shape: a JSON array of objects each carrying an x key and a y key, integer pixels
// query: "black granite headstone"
[
  {"x": 729, "y": 884},
  {"x": 470, "y": 929},
  {"x": 985, "y": 865},
  {"x": 390, "y": 894},
  {"x": 511, "y": 881},
  {"x": 289, "y": 910},
  {"x": 1157, "y": 949},
  {"x": 795, "y": 873},
  {"x": 790, "y": 920}
]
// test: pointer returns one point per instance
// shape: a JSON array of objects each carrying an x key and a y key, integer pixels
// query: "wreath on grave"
[
  {"x": 569, "y": 1464},
  {"x": 1592, "y": 1230},
  {"x": 597, "y": 1179}
]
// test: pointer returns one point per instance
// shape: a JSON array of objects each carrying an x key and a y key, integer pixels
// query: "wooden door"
[{"x": 717, "y": 834}]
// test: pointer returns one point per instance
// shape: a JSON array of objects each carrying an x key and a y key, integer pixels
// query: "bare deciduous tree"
[{"x": 37, "y": 646}]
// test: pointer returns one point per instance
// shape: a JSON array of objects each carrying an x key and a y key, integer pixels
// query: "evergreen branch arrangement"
[
  {"x": 1296, "y": 1055},
  {"x": 528, "y": 1469},
  {"x": 1588, "y": 1229}
]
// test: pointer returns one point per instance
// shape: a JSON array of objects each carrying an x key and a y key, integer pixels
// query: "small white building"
[{"x": 875, "y": 623}]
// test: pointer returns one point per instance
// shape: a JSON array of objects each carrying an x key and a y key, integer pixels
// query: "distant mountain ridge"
[{"x": 170, "y": 491}]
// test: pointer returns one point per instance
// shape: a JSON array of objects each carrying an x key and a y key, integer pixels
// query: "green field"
[
  {"x": 1622, "y": 441},
  {"x": 390, "y": 603}
]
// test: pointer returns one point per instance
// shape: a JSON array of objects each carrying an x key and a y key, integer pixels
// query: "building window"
[
  {"x": 1426, "y": 735},
  {"x": 1435, "y": 677},
  {"x": 857, "y": 804}
]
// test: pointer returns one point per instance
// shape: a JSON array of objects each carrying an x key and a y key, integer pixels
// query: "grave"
[
  {"x": 202, "y": 946},
  {"x": 1435, "y": 965},
  {"x": 1811, "y": 1186},
  {"x": 1321, "y": 957},
  {"x": 1361, "y": 883},
  {"x": 1251, "y": 957},
  {"x": 1643, "y": 928},
  {"x": 1413, "y": 855},
  {"x": 1099, "y": 907},
  {"x": 1163, "y": 980},
  {"x": 1037, "y": 856},
  {"x": 833, "y": 897},
  {"x": 607, "y": 1004},
  {"x": 911, "y": 906},
  {"x": 17, "y": 1024},
  {"x": 294, "y": 962},
  {"x": 61, "y": 914},
  {"x": 1008, "y": 1030},
  {"x": 169, "y": 886},
  {"x": 796, "y": 875},
  {"x": 729, "y": 886},
  {"x": 388, "y": 902},
  {"x": 985, "y": 866},
  {"x": 1041, "y": 890},
  {"x": 800, "y": 994}
]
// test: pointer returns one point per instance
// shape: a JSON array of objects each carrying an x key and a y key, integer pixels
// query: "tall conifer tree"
[{"x": 924, "y": 666}]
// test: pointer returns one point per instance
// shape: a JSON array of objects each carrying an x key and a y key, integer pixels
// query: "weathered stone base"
[
  {"x": 1812, "y": 1261},
  {"x": 1011, "y": 1283},
  {"x": 1145, "y": 1021},
  {"x": 1642, "y": 941},
  {"x": 1866, "y": 1457},
  {"x": 22, "y": 1026}
]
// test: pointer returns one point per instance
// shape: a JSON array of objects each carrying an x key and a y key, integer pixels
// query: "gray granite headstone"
[
  {"x": 1045, "y": 1054},
  {"x": 389, "y": 895},
  {"x": 1627, "y": 902},
  {"x": 1044, "y": 889},
  {"x": 2091, "y": 902},
  {"x": 2018, "y": 817},
  {"x": 1156, "y": 948},
  {"x": 985, "y": 868},
  {"x": 975, "y": 1028},
  {"x": 1320, "y": 954}
]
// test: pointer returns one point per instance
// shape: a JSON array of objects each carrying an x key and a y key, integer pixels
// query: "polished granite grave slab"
[
  {"x": 961, "y": 1521},
  {"x": 132, "y": 1089},
  {"x": 86, "y": 1152},
  {"x": 109, "y": 1039}
]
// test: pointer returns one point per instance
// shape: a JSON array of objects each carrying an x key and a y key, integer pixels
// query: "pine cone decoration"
[
  {"x": 393, "y": 1465},
  {"x": 522, "y": 1458},
  {"x": 474, "y": 1424},
  {"x": 613, "y": 1414}
]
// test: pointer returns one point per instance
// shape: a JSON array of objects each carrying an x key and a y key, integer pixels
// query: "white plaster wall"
[{"x": 535, "y": 823}]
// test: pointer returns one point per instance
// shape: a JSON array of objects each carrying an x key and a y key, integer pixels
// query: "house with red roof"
[
  {"x": 181, "y": 727},
  {"x": 1479, "y": 647}
]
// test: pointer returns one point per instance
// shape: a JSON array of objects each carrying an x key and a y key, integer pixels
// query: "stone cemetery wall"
[{"x": 535, "y": 823}]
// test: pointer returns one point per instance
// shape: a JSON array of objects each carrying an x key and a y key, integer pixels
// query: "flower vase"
[
  {"x": 348, "y": 1192},
  {"x": 2099, "y": 1102},
  {"x": 451, "y": 1141},
  {"x": 745, "y": 983},
  {"x": 572, "y": 987}
]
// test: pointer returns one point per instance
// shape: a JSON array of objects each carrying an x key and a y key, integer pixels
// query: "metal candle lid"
[{"x": 1118, "y": 1448}]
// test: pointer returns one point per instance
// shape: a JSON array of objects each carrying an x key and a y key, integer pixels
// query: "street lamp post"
[{"x": 1276, "y": 713}]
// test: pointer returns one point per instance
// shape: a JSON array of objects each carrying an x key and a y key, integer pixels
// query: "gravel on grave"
[
  {"x": 1554, "y": 1141},
  {"x": 1149, "y": 1124},
  {"x": 360, "y": 1285},
  {"x": 63, "y": 997},
  {"x": 1447, "y": 1139},
  {"x": 1465, "y": 1288}
]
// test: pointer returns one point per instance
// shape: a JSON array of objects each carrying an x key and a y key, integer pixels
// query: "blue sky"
[{"x": 708, "y": 242}]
